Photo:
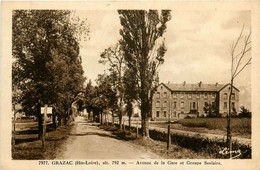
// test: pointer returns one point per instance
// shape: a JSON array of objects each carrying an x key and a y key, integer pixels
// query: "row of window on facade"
[
  {"x": 232, "y": 105},
  {"x": 193, "y": 105},
  {"x": 213, "y": 95},
  {"x": 165, "y": 114},
  {"x": 232, "y": 96},
  {"x": 190, "y": 95}
]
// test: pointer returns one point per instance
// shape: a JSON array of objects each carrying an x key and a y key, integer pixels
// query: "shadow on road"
[{"x": 93, "y": 133}]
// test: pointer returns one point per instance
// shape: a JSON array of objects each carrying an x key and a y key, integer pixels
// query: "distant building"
[{"x": 195, "y": 100}]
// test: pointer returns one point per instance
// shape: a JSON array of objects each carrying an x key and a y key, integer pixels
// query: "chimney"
[
  {"x": 184, "y": 83},
  {"x": 216, "y": 83},
  {"x": 200, "y": 83},
  {"x": 169, "y": 82}
]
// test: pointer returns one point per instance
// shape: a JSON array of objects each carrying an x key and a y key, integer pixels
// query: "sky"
[{"x": 197, "y": 46}]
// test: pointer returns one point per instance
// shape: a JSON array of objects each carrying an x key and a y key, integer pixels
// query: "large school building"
[{"x": 195, "y": 100}]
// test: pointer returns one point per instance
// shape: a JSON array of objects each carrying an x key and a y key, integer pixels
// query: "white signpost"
[
  {"x": 49, "y": 110},
  {"x": 45, "y": 110}
]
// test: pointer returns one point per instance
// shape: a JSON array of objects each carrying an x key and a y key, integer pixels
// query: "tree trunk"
[
  {"x": 40, "y": 127},
  {"x": 65, "y": 120},
  {"x": 120, "y": 120},
  {"x": 59, "y": 120},
  {"x": 129, "y": 120},
  {"x": 145, "y": 126},
  {"x": 54, "y": 125},
  {"x": 106, "y": 119},
  {"x": 101, "y": 118},
  {"x": 113, "y": 119},
  {"x": 229, "y": 140}
]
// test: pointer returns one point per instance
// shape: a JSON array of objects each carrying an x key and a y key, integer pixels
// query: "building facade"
[{"x": 196, "y": 100}]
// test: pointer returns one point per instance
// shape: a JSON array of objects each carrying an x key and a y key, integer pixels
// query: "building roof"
[{"x": 196, "y": 87}]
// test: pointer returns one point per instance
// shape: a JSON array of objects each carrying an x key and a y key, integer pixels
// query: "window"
[
  {"x": 225, "y": 105},
  {"x": 189, "y": 95},
  {"x": 158, "y": 114},
  {"x": 233, "y": 96},
  {"x": 182, "y": 95},
  {"x": 174, "y": 113},
  {"x": 233, "y": 105},
  {"x": 174, "y": 105},
  {"x": 158, "y": 95},
  {"x": 206, "y": 95},
  {"x": 158, "y": 104},
  {"x": 164, "y": 113},
  {"x": 213, "y": 95},
  {"x": 225, "y": 96},
  {"x": 161, "y": 87},
  {"x": 198, "y": 95},
  {"x": 174, "y": 95},
  {"x": 164, "y": 104},
  {"x": 165, "y": 94},
  {"x": 206, "y": 104},
  {"x": 194, "y": 105},
  {"x": 182, "y": 104}
]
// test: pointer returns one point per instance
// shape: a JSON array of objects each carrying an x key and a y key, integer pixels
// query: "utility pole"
[{"x": 169, "y": 131}]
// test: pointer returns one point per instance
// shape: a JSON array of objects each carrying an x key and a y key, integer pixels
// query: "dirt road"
[{"x": 89, "y": 142}]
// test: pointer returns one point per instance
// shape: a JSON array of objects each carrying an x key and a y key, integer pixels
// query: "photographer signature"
[{"x": 226, "y": 151}]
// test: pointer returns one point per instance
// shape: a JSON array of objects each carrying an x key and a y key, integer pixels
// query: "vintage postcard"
[{"x": 133, "y": 85}]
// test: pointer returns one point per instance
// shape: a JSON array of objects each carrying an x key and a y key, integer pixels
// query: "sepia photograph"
[{"x": 130, "y": 86}]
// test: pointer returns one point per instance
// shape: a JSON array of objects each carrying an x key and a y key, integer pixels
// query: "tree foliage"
[
  {"x": 47, "y": 66},
  {"x": 245, "y": 112},
  {"x": 144, "y": 49},
  {"x": 114, "y": 56},
  {"x": 101, "y": 98}
]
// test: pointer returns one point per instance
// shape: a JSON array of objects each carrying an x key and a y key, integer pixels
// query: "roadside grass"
[
  {"x": 238, "y": 125},
  {"x": 28, "y": 147},
  {"x": 174, "y": 152},
  {"x": 157, "y": 147}
]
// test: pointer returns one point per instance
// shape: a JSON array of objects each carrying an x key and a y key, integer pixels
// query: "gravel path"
[{"x": 90, "y": 142}]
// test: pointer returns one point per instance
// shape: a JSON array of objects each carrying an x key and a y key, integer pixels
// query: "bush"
[
  {"x": 199, "y": 144},
  {"x": 245, "y": 113}
]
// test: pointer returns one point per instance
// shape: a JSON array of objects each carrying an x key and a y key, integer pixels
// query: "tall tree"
[
  {"x": 88, "y": 101},
  {"x": 47, "y": 66},
  {"x": 130, "y": 91},
  {"x": 114, "y": 56},
  {"x": 239, "y": 60},
  {"x": 141, "y": 32},
  {"x": 106, "y": 96}
]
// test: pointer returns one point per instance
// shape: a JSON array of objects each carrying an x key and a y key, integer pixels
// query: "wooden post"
[
  {"x": 44, "y": 128},
  {"x": 169, "y": 137},
  {"x": 13, "y": 142},
  {"x": 137, "y": 131}
]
